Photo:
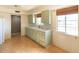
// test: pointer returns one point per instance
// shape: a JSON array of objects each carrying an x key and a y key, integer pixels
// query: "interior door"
[{"x": 15, "y": 24}]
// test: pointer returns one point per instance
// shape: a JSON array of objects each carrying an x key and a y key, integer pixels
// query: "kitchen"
[{"x": 44, "y": 26}]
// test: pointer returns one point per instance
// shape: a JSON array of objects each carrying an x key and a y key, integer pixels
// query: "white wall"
[
  {"x": 24, "y": 23},
  {"x": 6, "y": 25}
]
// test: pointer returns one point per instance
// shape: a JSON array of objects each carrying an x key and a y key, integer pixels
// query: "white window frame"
[
  {"x": 58, "y": 24},
  {"x": 65, "y": 30}
]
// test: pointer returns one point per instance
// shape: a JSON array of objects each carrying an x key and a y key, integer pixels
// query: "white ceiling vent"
[{"x": 16, "y": 7}]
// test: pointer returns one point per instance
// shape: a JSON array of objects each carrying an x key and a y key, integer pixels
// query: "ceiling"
[
  {"x": 21, "y": 7},
  {"x": 30, "y": 7}
]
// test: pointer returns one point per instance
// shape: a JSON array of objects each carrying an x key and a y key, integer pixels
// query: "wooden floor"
[{"x": 25, "y": 45}]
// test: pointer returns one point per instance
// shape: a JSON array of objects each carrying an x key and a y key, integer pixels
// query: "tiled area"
[{"x": 26, "y": 45}]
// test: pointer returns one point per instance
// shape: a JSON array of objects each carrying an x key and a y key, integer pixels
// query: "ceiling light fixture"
[{"x": 16, "y": 8}]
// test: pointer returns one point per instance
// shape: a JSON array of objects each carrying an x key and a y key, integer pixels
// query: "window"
[
  {"x": 68, "y": 24},
  {"x": 38, "y": 20},
  {"x": 72, "y": 24},
  {"x": 61, "y": 23}
]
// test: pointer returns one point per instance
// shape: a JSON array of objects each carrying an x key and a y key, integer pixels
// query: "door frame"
[{"x": 11, "y": 24}]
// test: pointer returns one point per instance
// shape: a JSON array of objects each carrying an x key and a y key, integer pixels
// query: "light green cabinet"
[
  {"x": 41, "y": 37},
  {"x": 46, "y": 17},
  {"x": 30, "y": 19}
]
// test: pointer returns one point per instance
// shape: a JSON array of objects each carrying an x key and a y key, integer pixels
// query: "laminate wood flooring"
[{"x": 23, "y": 44}]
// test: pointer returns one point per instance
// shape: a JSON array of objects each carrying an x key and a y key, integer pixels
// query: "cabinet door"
[
  {"x": 30, "y": 19},
  {"x": 26, "y": 31},
  {"x": 38, "y": 36},
  {"x": 45, "y": 17},
  {"x": 41, "y": 36},
  {"x": 29, "y": 32},
  {"x": 32, "y": 33}
]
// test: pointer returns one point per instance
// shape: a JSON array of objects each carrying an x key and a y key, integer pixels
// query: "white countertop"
[{"x": 44, "y": 30}]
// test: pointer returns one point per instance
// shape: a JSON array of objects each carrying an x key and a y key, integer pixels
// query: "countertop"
[{"x": 40, "y": 29}]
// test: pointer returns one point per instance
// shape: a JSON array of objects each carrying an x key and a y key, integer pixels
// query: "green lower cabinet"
[
  {"x": 27, "y": 31},
  {"x": 31, "y": 33},
  {"x": 43, "y": 38},
  {"x": 34, "y": 35},
  {"x": 37, "y": 36}
]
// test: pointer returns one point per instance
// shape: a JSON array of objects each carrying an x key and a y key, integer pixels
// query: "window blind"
[{"x": 68, "y": 10}]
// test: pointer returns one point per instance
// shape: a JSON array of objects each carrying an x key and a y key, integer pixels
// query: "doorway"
[{"x": 15, "y": 25}]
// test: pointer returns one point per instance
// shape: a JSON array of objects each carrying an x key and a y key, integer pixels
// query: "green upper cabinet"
[
  {"x": 46, "y": 17},
  {"x": 30, "y": 19}
]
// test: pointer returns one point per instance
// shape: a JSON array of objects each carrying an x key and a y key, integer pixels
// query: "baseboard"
[
  {"x": 6, "y": 40},
  {"x": 15, "y": 33},
  {"x": 23, "y": 35},
  {"x": 65, "y": 51}
]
